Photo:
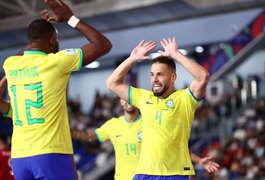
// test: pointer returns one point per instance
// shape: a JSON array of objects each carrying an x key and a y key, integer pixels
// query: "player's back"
[{"x": 36, "y": 84}]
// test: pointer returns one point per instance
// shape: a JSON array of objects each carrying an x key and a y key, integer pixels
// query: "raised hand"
[
  {"x": 208, "y": 164},
  {"x": 60, "y": 9},
  {"x": 170, "y": 47},
  {"x": 142, "y": 49}
]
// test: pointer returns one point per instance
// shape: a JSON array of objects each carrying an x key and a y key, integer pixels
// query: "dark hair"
[
  {"x": 39, "y": 29},
  {"x": 166, "y": 60}
]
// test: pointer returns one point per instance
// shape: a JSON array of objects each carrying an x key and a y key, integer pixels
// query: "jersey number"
[
  {"x": 130, "y": 148},
  {"x": 159, "y": 117},
  {"x": 29, "y": 103}
]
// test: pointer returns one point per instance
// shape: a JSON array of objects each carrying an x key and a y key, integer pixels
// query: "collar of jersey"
[
  {"x": 137, "y": 119},
  {"x": 35, "y": 52}
]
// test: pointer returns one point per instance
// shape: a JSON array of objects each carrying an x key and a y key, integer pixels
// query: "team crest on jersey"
[
  {"x": 170, "y": 103},
  {"x": 139, "y": 135},
  {"x": 70, "y": 52}
]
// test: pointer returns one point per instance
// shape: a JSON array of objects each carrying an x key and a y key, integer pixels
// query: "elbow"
[
  {"x": 109, "y": 84},
  {"x": 205, "y": 77},
  {"x": 106, "y": 46}
]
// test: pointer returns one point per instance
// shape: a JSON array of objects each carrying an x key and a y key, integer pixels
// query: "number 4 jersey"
[{"x": 37, "y": 88}]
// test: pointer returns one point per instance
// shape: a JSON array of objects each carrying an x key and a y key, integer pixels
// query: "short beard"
[
  {"x": 158, "y": 94},
  {"x": 132, "y": 111}
]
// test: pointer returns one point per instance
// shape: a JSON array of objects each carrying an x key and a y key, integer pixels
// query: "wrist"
[
  {"x": 73, "y": 21},
  {"x": 133, "y": 59}
]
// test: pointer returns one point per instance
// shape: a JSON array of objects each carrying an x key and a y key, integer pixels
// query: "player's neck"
[
  {"x": 131, "y": 117},
  {"x": 37, "y": 46},
  {"x": 167, "y": 93}
]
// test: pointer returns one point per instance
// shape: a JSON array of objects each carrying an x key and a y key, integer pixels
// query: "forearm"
[
  {"x": 196, "y": 70},
  {"x": 98, "y": 43},
  {"x": 194, "y": 158}
]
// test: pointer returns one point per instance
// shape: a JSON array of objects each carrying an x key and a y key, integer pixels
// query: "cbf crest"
[
  {"x": 170, "y": 103},
  {"x": 139, "y": 135}
]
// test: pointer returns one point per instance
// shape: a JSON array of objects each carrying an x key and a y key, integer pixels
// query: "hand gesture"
[
  {"x": 61, "y": 10},
  {"x": 208, "y": 164},
  {"x": 170, "y": 47},
  {"x": 142, "y": 49}
]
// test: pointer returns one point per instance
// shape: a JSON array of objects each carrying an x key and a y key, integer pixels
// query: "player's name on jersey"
[{"x": 24, "y": 73}]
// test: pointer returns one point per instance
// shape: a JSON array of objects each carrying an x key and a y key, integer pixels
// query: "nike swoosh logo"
[
  {"x": 118, "y": 135},
  {"x": 148, "y": 102}
]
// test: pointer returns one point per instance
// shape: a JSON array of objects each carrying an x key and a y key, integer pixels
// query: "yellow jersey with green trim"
[
  {"x": 37, "y": 85},
  {"x": 166, "y": 128},
  {"x": 126, "y": 139}
]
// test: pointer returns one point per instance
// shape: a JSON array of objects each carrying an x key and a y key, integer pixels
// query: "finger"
[
  {"x": 163, "y": 44},
  {"x": 169, "y": 40},
  {"x": 141, "y": 42},
  {"x": 161, "y": 52},
  {"x": 45, "y": 14},
  {"x": 174, "y": 40},
  {"x": 150, "y": 45},
  {"x": 165, "y": 41},
  {"x": 52, "y": 19},
  {"x": 53, "y": 3},
  {"x": 215, "y": 165},
  {"x": 146, "y": 57},
  {"x": 59, "y": 2}
]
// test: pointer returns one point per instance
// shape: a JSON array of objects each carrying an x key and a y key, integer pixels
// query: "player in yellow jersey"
[
  {"x": 125, "y": 133},
  {"x": 167, "y": 114},
  {"x": 37, "y": 81}
]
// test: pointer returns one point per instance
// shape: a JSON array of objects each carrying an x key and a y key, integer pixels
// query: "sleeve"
[
  {"x": 191, "y": 101},
  {"x": 68, "y": 60},
  {"x": 136, "y": 96},
  {"x": 103, "y": 132}
]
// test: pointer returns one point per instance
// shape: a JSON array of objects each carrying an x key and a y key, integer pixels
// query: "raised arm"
[
  {"x": 115, "y": 82},
  {"x": 98, "y": 44},
  {"x": 88, "y": 136},
  {"x": 200, "y": 75}
]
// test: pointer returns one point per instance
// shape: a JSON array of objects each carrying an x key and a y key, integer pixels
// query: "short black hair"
[
  {"x": 165, "y": 60},
  {"x": 39, "y": 29}
]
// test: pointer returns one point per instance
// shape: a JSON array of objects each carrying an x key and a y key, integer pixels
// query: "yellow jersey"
[
  {"x": 37, "y": 85},
  {"x": 126, "y": 139},
  {"x": 166, "y": 128}
]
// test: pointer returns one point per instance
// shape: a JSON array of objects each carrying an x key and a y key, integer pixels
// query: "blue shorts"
[
  {"x": 151, "y": 177},
  {"x": 44, "y": 167}
]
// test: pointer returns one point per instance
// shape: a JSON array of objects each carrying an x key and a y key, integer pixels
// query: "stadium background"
[{"x": 226, "y": 37}]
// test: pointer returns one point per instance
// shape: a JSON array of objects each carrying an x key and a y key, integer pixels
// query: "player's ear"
[{"x": 173, "y": 77}]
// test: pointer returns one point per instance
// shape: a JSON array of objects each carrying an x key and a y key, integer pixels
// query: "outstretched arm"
[
  {"x": 200, "y": 75},
  {"x": 115, "y": 82},
  {"x": 88, "y": 136},
  {"x": 99, "y": 44},
  {"x": 207, "y": 162}
]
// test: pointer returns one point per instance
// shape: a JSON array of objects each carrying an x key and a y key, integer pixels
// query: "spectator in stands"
[{"x": 5, "y": 157}]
